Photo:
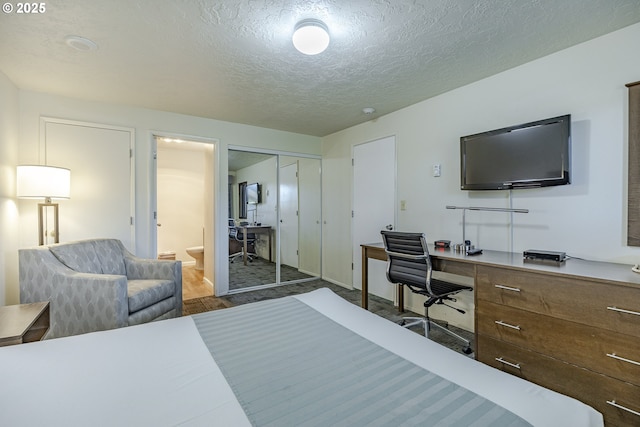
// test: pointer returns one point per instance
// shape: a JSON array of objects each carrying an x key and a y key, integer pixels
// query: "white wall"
[
  {"x": 181, "y": 200},
  {"x": 8, "y": 207},
  {"x": 586, "y": 219}
]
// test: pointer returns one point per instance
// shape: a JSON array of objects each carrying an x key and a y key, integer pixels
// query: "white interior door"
[
  {"x": 101, "y": 179},
  {"x": 309, "y": 216},
  {"x": 374, "y": 199},
  {"x": 289, "y": 215}
]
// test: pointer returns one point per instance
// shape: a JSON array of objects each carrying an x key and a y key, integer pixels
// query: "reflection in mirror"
[
  {"x": 255, "y": 181},
  {"x": 300, "y": 228},
  {"x": 252, "y": 247}
]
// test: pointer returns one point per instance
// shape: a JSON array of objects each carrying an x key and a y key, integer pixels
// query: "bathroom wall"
[{"x": 181, "y": 196}]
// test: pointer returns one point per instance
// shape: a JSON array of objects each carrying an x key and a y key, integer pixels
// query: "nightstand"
[{"x": 23, "y": 323}]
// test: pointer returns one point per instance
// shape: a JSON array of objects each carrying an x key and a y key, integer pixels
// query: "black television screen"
[{"x": 535, "y": 154}]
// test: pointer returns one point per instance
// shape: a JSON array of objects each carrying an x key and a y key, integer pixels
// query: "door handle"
[{"x": 389, "y": 227}]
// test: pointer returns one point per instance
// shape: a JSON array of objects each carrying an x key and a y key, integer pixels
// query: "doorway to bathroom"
[{"x": 185, "y": 203}]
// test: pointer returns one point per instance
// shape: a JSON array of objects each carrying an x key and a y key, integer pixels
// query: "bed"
[{"x": 310, "y": 359}]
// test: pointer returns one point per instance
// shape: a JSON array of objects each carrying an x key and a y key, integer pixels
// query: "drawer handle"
[
  {"x": 507, "y": 288},
  {"x": 501, "y": 323},
  {"x": 613, "y": 355},
  {"x": 620, "y": 310},
  {"x": 513, "y": 365},
  {"x": 617, "y": 405}
]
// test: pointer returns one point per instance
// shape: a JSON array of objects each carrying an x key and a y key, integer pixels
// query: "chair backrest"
[
  {"x": 233, "y": 233},
  {"x": 409, "y": 262},
  {"x": 239, "y": 235}
]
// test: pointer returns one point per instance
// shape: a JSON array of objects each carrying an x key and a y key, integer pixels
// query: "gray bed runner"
[{"x": 289, "y": 365}]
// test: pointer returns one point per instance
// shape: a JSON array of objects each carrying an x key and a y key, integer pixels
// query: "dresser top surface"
[{"x": 573, "y": 267}]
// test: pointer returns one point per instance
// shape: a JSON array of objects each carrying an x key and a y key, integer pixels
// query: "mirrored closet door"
[{"x": 274, "y": 212}]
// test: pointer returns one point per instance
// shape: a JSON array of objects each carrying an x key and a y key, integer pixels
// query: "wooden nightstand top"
[{"x": 23, "y": 323}]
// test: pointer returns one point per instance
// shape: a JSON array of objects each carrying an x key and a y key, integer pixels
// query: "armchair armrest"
[{"x": 141, "y": 268}]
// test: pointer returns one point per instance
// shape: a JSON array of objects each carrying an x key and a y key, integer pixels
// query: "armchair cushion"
[
  {"x": 102, "y": 256},
  {"x": 145, "y": 293},
  {"x": 110, "y": 254},
  {"x": 81, "y": 257}
]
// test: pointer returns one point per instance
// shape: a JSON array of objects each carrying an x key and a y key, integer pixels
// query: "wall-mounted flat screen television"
[
  {"x": 530, "y": 155},
  {"x": 254, "y": 195}
]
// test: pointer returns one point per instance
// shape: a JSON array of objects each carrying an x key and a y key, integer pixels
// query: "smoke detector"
[
  {"x": 368, "y": 111},
  {"x": 80, "y": 43}
]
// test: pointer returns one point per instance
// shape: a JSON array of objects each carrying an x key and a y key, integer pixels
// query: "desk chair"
[
  {"x": 238, "y": 234},
  {"x": 233, "y": 240},
  {"x": 410, "y": 265}
]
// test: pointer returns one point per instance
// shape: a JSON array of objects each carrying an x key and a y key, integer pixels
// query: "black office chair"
[
  {"x": 410, "y": 265},
  {"x": 233, "y": 231},
  {"x": 238, "y": 234}
]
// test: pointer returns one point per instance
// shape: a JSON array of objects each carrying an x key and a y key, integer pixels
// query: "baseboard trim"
[
  {"x": 208, "y": 282},
  {"x": 335, "y": 282}
]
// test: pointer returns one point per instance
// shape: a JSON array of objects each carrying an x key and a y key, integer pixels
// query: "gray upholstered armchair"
[{"x": 93, "y": 285}]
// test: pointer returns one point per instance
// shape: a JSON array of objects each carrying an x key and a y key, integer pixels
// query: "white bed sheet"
[
  {"x": 156, "y": 374},
  {"x": 161, "y": 374}
]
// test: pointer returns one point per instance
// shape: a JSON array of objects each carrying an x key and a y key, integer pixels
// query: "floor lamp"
[{"x": 48, "y": 182}]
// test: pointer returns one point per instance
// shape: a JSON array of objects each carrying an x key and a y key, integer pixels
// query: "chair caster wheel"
[
  {"x": 467, "y": 350},
  {"x": 402, "y": 322}
]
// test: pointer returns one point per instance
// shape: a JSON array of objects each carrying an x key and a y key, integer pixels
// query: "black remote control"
[{"x": 474, "y": 251}]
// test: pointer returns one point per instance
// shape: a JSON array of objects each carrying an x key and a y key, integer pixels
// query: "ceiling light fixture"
[
  {"x": 80, "y": 43},
  {"x": 311, "y": 36},
  {"x": 368, "y": 110}
]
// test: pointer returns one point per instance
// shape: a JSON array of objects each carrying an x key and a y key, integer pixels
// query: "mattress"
[{"x": 256, "y": 365}]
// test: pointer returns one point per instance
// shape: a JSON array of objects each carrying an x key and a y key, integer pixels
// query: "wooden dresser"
[
  {"x": 576, "y": 335},
  {"x": 572, "y": 327}
]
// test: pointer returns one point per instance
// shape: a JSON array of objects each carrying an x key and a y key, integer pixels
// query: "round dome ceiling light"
[
  {"x": 311, "y": 36},
  {"x": 80, "y": 43}
]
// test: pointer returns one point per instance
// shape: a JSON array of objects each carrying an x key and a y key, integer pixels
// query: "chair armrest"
[
  {"x": 79, "y": 302},
  {"x": 141, "y": 268}
]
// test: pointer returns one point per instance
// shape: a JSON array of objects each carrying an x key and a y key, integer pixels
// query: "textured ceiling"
[{"x": 234, "y": 60}]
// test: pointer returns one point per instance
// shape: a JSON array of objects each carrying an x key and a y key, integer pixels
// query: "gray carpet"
[
  {"x": 377, "y": 305},
  {"x": 259, "y": 272}
]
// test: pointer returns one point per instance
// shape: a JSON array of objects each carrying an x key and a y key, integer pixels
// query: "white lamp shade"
[
  {"x": 311, "y": 37},
  {"x": 36, "y": 182}
]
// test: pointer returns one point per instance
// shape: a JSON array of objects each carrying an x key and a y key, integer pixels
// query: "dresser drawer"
[
  {"x": 587, "y": 386},
  {"x": 600, "y": 350},
  {"x": 616, "y": 308}
]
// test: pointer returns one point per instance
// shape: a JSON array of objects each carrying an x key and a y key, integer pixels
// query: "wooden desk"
[
  {"x": 572, "y": 327},
  {"x": 257, "y": 229},
  {"x": 23, "y": 323}
]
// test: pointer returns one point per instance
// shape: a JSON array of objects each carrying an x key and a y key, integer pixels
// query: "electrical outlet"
[
  {"x": 437, "y": 171},
  {"x": 403, "y": 205}
]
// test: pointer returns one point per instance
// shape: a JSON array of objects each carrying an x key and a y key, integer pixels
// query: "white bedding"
[{"x": 162, "y": 374}]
